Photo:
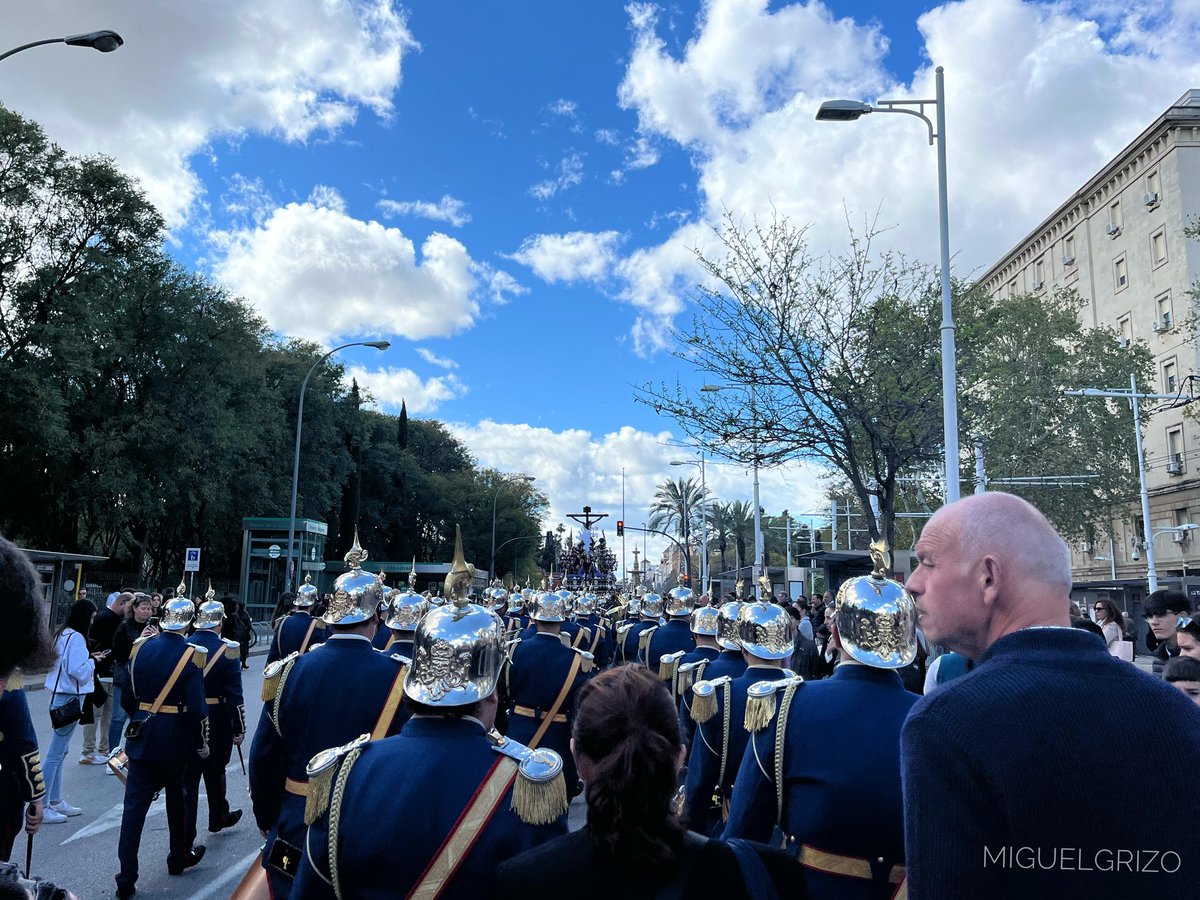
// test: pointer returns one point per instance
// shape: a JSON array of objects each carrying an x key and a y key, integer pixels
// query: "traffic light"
[{"x": 620, "y": 528}]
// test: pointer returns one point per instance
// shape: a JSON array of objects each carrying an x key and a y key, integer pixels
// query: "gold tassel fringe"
[
  {"x": 664, "y": 669},
  {"x": 317, "y": 801},
  {"x": 644, "y": 639},
  {"x": 540, "y": 802},
  {"x": 704, "y": 707},
  {"x": 269, "y": 688},
  {"x": 587, "y": 665},
  {"x": 686, "y": 679},
  {"x": 759, "y": 712}
]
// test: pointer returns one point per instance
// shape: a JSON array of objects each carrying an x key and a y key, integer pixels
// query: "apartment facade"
[{"x": 1119, "y": 242}]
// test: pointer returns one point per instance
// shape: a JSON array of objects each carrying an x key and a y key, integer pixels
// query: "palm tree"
[
  {"x": 720, "y": 529},
  {"x": 741, "y": 527},
  {"x": 676, "y": 507}
]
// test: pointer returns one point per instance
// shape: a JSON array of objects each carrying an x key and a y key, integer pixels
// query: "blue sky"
[{"x": 511, "y": 192}]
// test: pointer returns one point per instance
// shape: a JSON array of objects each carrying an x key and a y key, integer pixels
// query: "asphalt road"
[{"x": 81, "y": 855}]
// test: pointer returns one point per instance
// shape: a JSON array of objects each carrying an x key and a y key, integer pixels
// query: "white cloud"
[
  {"x": 575, "y": 467},
  {"x": 448, "y": 209},
  {"x": 607, "y": 136},
  {"x": 1039, "y": 96},
  {"x": 194, "y": 73},
  {"x": 569, "y": 174},
  {"x": 562, "y": 107},
  {"x": 391, "y": 387},
  {"x": 316, "y": 272},
  {"x": 574, "y": 256},
  {"x": 433, "y": 359}
]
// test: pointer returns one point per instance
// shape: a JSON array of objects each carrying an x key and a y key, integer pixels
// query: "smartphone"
[{"x": 153, "y": 623}]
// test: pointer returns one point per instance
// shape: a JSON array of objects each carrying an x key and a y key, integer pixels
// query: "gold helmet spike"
[
  {"x": 412, "y": 576},
  {"x": 457, "y": 586},
  {"x": 210, "y": 594},
  {"x": 181, "y": 588}
]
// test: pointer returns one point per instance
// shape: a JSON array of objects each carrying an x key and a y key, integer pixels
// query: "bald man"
[{"x": 994, "y": 802}]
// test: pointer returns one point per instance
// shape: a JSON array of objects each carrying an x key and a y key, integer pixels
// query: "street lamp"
[
  {"x": 378, "y": 345},
  {"x": 851, "y": 110},
  {"x": 703, "y": 519},
  {"x": 495, "y": 498},
  {"x": 105, "y": 41},
  {"x": 1133, "y": 396},
  {"x": 758, "y": 538}
]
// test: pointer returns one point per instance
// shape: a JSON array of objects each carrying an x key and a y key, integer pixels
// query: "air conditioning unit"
[
  {"x": 1160, "y": 326},
  {"x": 1112, "y": 229},
  {"x": 1068, "y": 260},
  {"x": 1124, "y": 342},
  {"x": 1150, "y": 198},
  {"x": 1175, "y": 464},
  {"x": 1038, "y": 285},
  {"x": 1085, "y": 546},
  {"x": 1179, "y": 537}
]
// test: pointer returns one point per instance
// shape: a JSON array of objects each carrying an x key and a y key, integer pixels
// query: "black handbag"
[{"x": 71, "y": 711}]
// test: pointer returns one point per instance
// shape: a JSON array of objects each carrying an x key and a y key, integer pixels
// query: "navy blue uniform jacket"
[
  {"x": 165, "y": 736},
  {"x": 330, "y": 696},
  {"x": 20, "y": 763},
  {"x": 704, "y": 762},
  {"x": 626, "y": 649},
  {"x": 841, "y": 759},
  {"x": 407, "y": 793},
  {"x": 537, "y": 673},
  {"x": 672, "y": 637},
  {"x": 224, "y": 685},
  {"x": 290, "y": 635},
  {"x": 686, "y": 723},
  {"x": 992, "y": 760}
]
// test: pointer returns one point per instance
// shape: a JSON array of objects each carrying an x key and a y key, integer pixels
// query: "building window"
[
  {"x": 1012, "y": 288},
  {"x": 1153, "y": 188},
  {"x": 1125, "y": 330},
  {"x": 1163, "y": 316},
  {"x": 1039, "y": 274},
  {"x": 1170, "y": 377},
  {"x": 1175, "y": 450},
  {"x": 1158, "y": 247},
  {"x": 1069, "y": 250},
  {"x": 1115, "y": 220},
  {"x": 1120, "y": 274}
]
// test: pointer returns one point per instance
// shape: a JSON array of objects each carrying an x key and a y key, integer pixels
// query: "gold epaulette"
[
  {"x": 539, "y": 795},
  {"x": 200, "y": 656},
  {"x": 644, "y": 637},
  {"x": 15, "y": 681},
  {"x": 689, "y": 673},
  {"x": 564, "y": 639},
  {"x": 232, "y": 644},
  {"x": 321, "y": 770},
  {"x": 588, "y": 660},
  {"x": 760, "y": 701},
  {"x": 704, "y": 698},
  {"x": 668, "y": 665},
  {"x": 403, "y": 660},
  {"x": 137, "y": 645},
  {"x": 587, "y": 634},
  {"x": 271, "y": 675}
]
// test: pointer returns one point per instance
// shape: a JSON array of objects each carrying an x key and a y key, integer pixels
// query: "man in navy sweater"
[{"x": 992, "y": 800}]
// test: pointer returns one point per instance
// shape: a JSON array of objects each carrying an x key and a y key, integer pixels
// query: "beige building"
[{"x": 1119, "y": 242}]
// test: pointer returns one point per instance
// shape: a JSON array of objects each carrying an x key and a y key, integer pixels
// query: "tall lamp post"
[
  {"x": 495, "y": 499},
  {"x": 849, "y": 111},
  {"x": 105, "y": 41},
  {"x": 378, "y": 345},
  {"x": 1133, "y": 396},
  {"x": 703, "y": 519},
  {"x": 758, "y": 535}
]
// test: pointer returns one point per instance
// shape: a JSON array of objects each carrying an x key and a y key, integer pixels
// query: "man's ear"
[{"x": 991, "y": 574}]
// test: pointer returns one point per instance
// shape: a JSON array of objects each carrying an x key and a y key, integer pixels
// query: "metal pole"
[
  {"x": 949, "y": 385},
  {"x": 703, "y": 528},
  {"x": 1112, "y": 559},
  {"x": 289, "y": 573},
  {"x": 624, "y": 570},
  {"x": 758, "y": 535},
  {"x": 980, "y": 472},
  {"x": 492, "y": 564},
  {"x": 833, "y": 525},
  {"x": 1151, "y": 574}
]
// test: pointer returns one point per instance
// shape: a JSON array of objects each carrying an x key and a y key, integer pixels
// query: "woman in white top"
[
  {"x": 71, "y": 677},
  {"x": 1112, "y": 622}
]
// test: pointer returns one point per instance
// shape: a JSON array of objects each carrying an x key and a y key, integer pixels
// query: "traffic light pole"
[{"x": 687, "y": 569}]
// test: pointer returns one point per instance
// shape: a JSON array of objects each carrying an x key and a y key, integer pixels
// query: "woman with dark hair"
[
  {"x": 629, "y": 751},
  {"x": 1111, "y": 621},
  {"x": 71, "y": 677},
  {"x": 23, "y": 643}
]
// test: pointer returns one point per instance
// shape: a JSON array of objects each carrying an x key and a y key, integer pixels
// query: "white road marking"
[{"x": 236, "y": 871}]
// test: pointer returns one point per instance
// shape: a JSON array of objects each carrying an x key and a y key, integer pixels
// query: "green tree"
[{"x": 837, "y": 361}]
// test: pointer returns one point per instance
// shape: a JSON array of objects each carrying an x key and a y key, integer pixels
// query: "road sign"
[
  {"x": 191, "y": 562},
  {"x": 274, "y": 551}
]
